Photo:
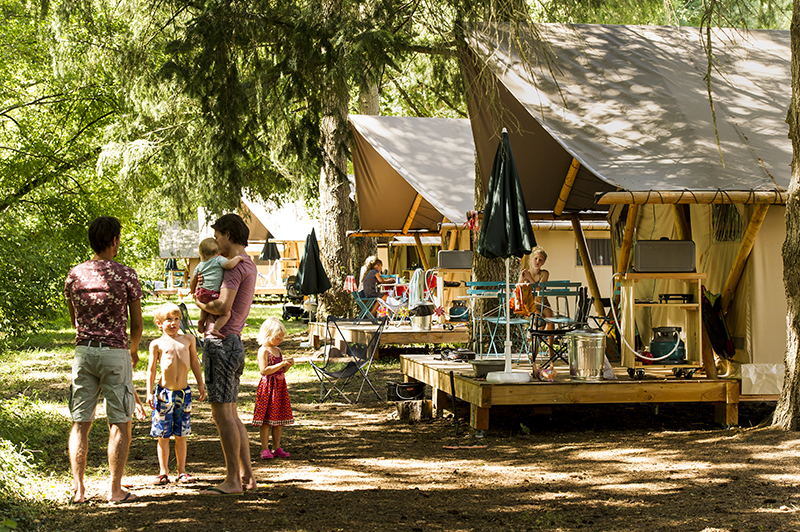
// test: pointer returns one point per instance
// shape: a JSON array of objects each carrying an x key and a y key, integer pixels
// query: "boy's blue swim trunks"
[{"x": 171, "y": 412}]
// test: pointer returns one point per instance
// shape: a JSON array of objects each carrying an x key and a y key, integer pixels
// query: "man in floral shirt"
[{"x": 100, "y": 295}]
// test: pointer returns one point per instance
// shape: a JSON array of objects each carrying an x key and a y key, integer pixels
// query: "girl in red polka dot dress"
[{"x": 273, "y": 409}]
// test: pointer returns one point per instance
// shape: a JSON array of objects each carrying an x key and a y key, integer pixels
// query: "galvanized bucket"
[{"x": 586, "y": 354}]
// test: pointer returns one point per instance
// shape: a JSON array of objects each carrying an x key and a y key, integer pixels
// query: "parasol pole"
[{"x": 508, "y": 323}]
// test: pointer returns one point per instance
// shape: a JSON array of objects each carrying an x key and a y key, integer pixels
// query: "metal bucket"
[
  {"x": 586, "y": 354},
  {"x": 421, "y": 323}
]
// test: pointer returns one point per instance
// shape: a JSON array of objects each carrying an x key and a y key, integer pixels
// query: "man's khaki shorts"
[{"x": 106, "y": 369}]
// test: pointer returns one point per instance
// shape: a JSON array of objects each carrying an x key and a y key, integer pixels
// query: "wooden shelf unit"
[
  {"x": 691, "y": 328},
  {"x": 447, "y": 294}
]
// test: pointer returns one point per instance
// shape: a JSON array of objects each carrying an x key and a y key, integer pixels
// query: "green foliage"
[
  {"x": 16, "y": 469},
  {"x": 52, "y": 124},
  {"x": 31, "y": 437},
  {"x": 26, "y": 423}
]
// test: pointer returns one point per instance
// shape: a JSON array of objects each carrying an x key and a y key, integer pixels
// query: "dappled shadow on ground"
[{"x": 582, "y": 467}]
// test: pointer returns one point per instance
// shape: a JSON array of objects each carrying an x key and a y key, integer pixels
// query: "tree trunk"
[
  {"x": 336, "y": 207},
  {"x": 787, "y": 413},
  {"x": 369, "y": 101}
]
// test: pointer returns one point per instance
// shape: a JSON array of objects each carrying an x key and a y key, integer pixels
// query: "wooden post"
[
  {"x": 681, "y": 226},
  {"x": 563, "y": 196},
  {"x": 627, "y": 242},
  {"x": 478, "y": 417},
  {"x": 421, "y": 252},
  {"x": 591, "y": 279},
  {"x": 709, "y": 363},
  {"x": 749, "y": 239},
  {"x": 727, "y": 413},
  {"x": 395, "y": 258},
  {"x": 627, "y": 239},
  {"x": 412, "y": 213},
  {"x": 453, "y": 240}
]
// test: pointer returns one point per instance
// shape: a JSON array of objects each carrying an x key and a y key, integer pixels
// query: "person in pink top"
[
  {"x": 101, "y": 294},
  {"x": 224, "y": 358}
]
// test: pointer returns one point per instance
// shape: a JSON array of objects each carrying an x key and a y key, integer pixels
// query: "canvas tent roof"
[
  {"x": 396, "y": 158},
  {"x": 288, "y": 223},
  {"x": 630, "y": 104}
]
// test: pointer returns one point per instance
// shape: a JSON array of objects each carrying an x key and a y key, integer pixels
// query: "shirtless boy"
[{"x": 171, "y": 397}]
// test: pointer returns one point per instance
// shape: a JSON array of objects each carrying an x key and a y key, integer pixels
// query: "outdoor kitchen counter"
[{"x": 481, "y": 395}]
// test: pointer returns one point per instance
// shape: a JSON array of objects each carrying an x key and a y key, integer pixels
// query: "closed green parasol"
[
  {"x": 505, "y": 232},
  {"x": 311, "y": 277}
]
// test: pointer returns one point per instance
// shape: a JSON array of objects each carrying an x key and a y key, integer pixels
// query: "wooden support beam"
[
  {"x": 395, "y": 258},
  {"x": 549, "y": 225},
  {"x": 421, "y": 252},
  {"x": 709, "y": 363},
  {"x": 591, "y": 279},
  {"x": 453, "y": 239},
  {"x": 412, "y": 213},
  {"x": 627, "y": 239},
  {"x": 772, "y": 197},
  {"x": 681, "y": 225},
  {"x": 748, "y": 240},
  {"x": 389, "y": 234},
  {"x": 566, "y": 188}
]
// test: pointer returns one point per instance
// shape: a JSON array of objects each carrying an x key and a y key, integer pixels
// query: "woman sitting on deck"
[{"x": 370, "y": 281}]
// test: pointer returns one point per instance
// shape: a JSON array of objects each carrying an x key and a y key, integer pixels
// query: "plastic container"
[
  {"x": 586, "y": 354},
  {"x": 405, "y": 391},
  {"x": 482, "y": 367},
  {"x": 420, "y": 323}
]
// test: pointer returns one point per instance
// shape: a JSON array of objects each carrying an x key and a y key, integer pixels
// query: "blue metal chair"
[
  {"x": 496, "y": 319},
  {"x": 364, "y": 307}
]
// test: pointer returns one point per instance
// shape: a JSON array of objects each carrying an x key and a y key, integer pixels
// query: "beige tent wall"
[
  {"x": 562, "y": 258},
  {"x": 716, "y": 259},
  {"x": 764, "y": 272}
]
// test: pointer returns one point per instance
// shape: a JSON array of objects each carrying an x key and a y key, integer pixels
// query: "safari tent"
[
  {"x": 287, "y": 226},
  {"x": 618, "y": 118},
  {"x": 412, "y": 174},
  {"x": 426, "y": 166}
]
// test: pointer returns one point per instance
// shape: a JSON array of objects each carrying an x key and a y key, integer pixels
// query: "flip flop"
[
  {"x": 216, "y": 492},
  {"x": 184, "y": 478},
  {"x": 129, "y": 497},
  {"x": 162, "y": 480}
]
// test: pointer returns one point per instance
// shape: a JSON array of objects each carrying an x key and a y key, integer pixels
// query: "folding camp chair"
[
  {"x": 397, "y": 316},
  {"x": 364, "y": 307},
  {"x": 335, "y": 373},
  {"x": 562, "y": 321},
  {"x": 187, "y": 327}
]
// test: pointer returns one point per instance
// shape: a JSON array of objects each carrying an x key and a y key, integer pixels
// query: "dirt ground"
[{"x": 356, "y": 467}]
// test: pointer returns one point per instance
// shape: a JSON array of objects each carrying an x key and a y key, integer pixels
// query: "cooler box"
[{"x": 664, "y": 256}]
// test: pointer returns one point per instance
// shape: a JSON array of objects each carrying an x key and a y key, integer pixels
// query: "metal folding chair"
[
  {"x": 335, "y": 373},
  {"x": 574, "y": 316},
  {"x": 364, "y": 307},
  {"x": 495, "y": 320}
]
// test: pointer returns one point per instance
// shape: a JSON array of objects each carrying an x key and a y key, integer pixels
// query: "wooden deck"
[
  {"x": 481, "y": 395},
  {"x": 391, "y": 334}
]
